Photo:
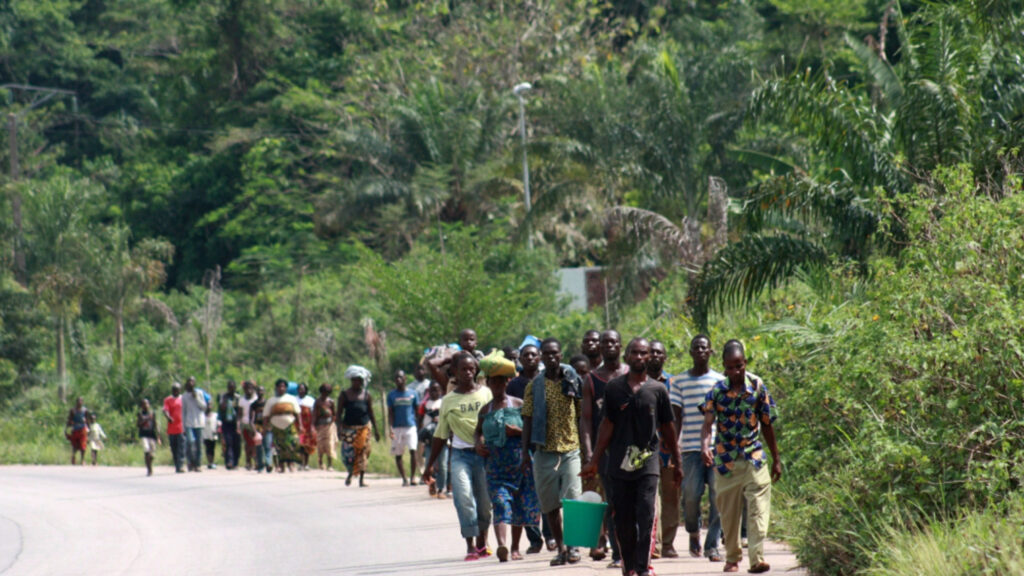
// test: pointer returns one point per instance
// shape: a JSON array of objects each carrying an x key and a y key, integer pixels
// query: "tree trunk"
[
  {"x": 20, "y": 270},
  {"x": 119, "y": 335},
  {"x": 62, "y": 390}
]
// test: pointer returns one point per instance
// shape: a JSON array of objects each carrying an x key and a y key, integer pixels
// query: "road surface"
[{"x": 106, "y": 521}]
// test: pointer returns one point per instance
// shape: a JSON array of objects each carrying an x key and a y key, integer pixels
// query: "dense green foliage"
[{"x": 265, "y": 188}]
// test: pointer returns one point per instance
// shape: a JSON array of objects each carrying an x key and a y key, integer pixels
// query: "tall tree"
[
  {"x": 119, "y": 274},
  {"x": 58, "y": 210}
]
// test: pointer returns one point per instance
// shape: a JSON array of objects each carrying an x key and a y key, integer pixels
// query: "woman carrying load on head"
[
  {"x": 357, "y": 420},
  {"x": 499, "y": 440}
]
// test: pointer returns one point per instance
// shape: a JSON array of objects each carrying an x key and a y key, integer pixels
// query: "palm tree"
[
  {"x": 120, "y": 274},
  {"x": 652, "y": 131},
  {"x": 435, "y": 156},
  {"x": 945, "y": 101},
  {"x": 58, "y": 230}
]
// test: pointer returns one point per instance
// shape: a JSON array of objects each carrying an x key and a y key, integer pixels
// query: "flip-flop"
[
  {"x": 471, "y": 557},
  {"x": 516, "y": 555},
  {"x": 483, "y": 552}
]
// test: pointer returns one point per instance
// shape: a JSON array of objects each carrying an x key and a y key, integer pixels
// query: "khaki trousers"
[
  {"x": 670, "y": 497},
  {"x": 753, "y": 486}
]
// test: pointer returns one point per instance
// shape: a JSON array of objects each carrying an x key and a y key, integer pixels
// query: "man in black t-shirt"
[{"x": 636, "y": 409}]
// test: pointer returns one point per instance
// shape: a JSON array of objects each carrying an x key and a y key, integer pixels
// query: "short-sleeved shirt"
[
  {"x": 244, "y": 403},
  {"x": 402, "y": 406},
  {"x": 227, "y": 406},
  {"x": 738, "y": 419},
  {"x": 193, "y": 409},
  {"x": 420, "y": 387},
  {"x": 459, "y": 413},
  {"x": 636, "y": 416},
  {"x": 282, "y": 411},
  {"x": 688, "y": 392},
  {"x": 562, "y": 418},
  {"x": 173, "y": 407},
  {"x": 517, "y": 387},
  {"x": 257, "y": 410}
]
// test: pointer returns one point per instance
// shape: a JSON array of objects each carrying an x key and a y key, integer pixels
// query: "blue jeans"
[
  {"x": 193, "y": 444},
  {"x": 177, "y": 444},
  {"x": 268, "y": 448},
  {"x": 696, "y": 477},
  {"x": 440, "y": 466},
  {"x": 469, "y": 492}
]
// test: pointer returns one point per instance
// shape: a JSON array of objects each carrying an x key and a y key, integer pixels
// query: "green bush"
[{"x": 906, "y": 405}]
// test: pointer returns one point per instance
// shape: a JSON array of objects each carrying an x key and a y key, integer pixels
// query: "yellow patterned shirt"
[{"x": 562, "y": 418}]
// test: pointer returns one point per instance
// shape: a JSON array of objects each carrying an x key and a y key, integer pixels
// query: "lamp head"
[{"x": 520, "y": 88}]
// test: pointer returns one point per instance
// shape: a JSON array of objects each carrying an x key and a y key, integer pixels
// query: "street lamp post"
[{"x": 518, "y": 91}]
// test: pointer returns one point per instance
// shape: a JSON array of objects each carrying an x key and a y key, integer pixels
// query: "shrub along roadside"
[
  {"x": 985, "y": 542},
  {"x": 906, "y": 408}
]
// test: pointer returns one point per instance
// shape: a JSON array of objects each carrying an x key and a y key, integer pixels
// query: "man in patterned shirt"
[
  {"x": 551, "y": 411},
  {"x": 740, "y": 410}
]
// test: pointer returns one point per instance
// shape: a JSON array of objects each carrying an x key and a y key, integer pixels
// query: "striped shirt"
[{"x": 688, "y": 392}]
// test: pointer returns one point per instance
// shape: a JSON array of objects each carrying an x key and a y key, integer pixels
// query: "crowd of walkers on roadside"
[{"x": 511, "y": 434}]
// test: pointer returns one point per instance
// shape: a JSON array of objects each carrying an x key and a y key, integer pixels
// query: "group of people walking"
[
  {"x": 281, "y": 431},
  {"x": 528, "y": 431},
  {"x": 512, "y": 434}
]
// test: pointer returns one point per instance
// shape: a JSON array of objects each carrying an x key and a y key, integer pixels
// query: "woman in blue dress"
[{"x": 499, "y": 439}]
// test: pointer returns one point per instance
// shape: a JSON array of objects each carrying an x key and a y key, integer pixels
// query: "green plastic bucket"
[{"x": 582, "y": 522}]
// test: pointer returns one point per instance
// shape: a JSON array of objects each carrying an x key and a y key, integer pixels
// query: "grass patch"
[{"x": 985, "y": 543}]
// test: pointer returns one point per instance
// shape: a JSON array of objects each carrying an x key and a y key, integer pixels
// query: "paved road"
[{"x": 104, "y": 521}]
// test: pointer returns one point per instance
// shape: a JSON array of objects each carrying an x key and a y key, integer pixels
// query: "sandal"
[
  {"x": 731, "y": 567},
  {"x": 516, "y": 555},
  {"x": 598, "y": 554},
  {"x": 472, "y": 556},
  {"x": 483, "y": 552},
  {"x": 759, "y": 568},
  {"x": 573, "y": 555},
  {"x": 502, "y": 554},
  {"x": 715, "y": 557}
]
